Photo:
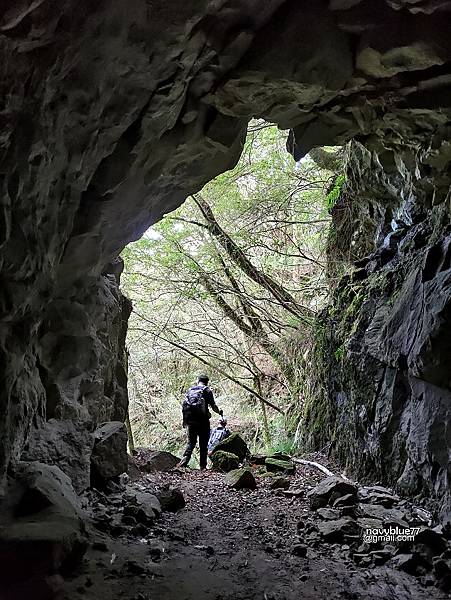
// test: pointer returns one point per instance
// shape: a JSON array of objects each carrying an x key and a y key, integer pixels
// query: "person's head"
[
  {"x": 202, "y": 378},
  {"x": 222, "y": 422}
]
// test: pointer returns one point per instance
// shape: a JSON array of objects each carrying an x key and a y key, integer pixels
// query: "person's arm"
[{"x": 211, "y": 402}]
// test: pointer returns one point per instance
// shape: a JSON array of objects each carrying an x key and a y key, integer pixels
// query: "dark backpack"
[{"x": 194, "y": 405}]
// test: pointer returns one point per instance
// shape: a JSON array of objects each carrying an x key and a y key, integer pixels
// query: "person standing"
[{"x": 196, "y": 418}]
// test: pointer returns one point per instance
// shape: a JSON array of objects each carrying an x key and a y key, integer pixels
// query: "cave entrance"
[{"x": 229, "y": 285}]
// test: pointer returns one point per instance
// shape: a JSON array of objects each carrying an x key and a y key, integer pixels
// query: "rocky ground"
[{"x": 238, "y": 544}]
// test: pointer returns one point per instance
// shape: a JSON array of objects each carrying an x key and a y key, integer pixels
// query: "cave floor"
[{"x": 230, "y": 545}]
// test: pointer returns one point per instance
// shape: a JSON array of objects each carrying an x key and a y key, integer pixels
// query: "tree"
[{"x": 225, "y": 282}]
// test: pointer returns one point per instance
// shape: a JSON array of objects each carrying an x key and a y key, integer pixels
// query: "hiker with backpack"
[{"x": 196, "y": 418}]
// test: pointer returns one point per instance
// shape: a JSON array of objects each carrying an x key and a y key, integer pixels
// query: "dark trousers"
[{"x": 201, "y": 431}]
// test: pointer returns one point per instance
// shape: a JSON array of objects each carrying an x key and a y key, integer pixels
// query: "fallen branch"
[{"x": 311, "y": 463}]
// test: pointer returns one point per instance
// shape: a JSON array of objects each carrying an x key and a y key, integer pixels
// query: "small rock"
[
  {"x": 336, "y": 531},
  {"x": 241, "y": 479},
  {"x": 330, "y": 488},
  {"x": 171, "y": 499},
  {"x": 128, "y": 520},
  {"x": 299, "y": 550},
  {"x": 159, "y": 461},
  {"x": 328, "y": 514},
  {"x": 134, "y": 567},
  {"x": 344, "y": 501},
  {"x": 280, "y": 483},
  {"x": 100, "y": 546}
]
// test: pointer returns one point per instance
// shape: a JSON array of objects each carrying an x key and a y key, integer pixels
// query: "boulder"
[
  {"x": 160, "y": 461},
  {"x": 337, "y": 530},
  {"x": 277, "y": 465},
  {"x": 143, "y": 506},
  {"x": 66, "y": 444},
  {"x": 41, "y": 530},
  {"x": 240, "y": 479},
  {"x": 171, "y": 499},
  {"x": 109, "y": 455},
  {"x": 409, "y": 563},
  {"x": 132, "y": 470},
  {"x": 233, "y": 444},
  {"x": 280, "y": 483},
  {"x": 225, "y": 461},
  {"x": 329, "y": 490},
  {"x": 432, "y": 540},
  {"x": 388, "y": 516}
]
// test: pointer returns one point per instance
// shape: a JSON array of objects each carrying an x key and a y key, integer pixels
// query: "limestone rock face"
[
  {"x": 114, "y": 113},
  {"x": 386, "y": 342}
]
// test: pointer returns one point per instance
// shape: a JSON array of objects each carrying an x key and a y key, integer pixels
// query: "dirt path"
[{"x": 230, "y": 545}]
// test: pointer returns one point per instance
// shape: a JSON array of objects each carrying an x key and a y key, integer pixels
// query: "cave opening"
[
  {"x": 112, "y": 116},
  {"x": 231, "y": 283}
]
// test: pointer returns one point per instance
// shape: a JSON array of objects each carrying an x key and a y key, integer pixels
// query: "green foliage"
[
  {"x": 274, "y": 211},
  {"x": 334, "y": 194},
  {"x": 339, "y": 352}
]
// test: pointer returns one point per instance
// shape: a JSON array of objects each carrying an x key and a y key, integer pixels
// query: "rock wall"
[
  {"x": 113, "y": 112},
  {"x": 384, "y": 344}
]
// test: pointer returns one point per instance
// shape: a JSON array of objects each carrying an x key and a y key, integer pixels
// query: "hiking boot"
[{"x": 183, "y": 463}]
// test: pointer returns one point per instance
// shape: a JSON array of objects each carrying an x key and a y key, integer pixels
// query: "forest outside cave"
[{"x": 231, "y": 284}]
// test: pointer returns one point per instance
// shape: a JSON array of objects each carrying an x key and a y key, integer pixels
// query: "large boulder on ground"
[
  {"x": 225, "y": 461},
  {"x": 329, "y": 490},
  {"x": 171, "y": 499},
  {"x": 41, "y": 531},
  {"x": 240, "y": 479},
  {"x": 66, "y": 444},
  {"x": 159, "y": 461},
  {"x": 233, "y": 444},
  {"x": 276, "y": 465},
  {"x": 109, "y": 455}
]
